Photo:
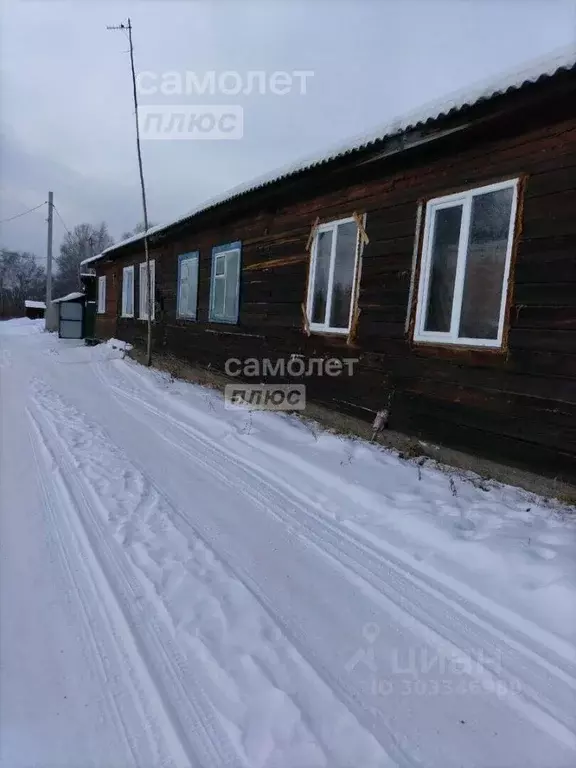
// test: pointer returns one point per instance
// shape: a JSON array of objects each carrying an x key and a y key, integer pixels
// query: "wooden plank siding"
[
  {"x": 516, "y": 404},
  {"x": 106, "y": 323}
]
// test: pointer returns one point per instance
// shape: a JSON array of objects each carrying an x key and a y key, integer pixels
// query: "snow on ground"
[{"x": 185, "y": 585}]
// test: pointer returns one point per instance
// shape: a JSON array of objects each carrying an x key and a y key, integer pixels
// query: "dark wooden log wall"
[
  {"x": 516, "y": 405},
  {"x": 106, "y": 324}
]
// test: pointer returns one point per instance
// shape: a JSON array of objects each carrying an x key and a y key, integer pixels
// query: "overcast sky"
[{"x": 67, "y": 115}]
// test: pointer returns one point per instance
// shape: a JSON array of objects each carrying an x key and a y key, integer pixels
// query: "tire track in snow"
[
  {"x": 395, "y": 746},
  {"x": 532, "y": 701},
  {"x": 82, "y": 443},
  {"x": 194, "y": 738},
  {"x": 54, "y": 495},
  {"x": 507, "y": 625}
]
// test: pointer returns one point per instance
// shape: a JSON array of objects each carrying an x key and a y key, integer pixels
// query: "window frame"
[
  {"x": 464, "y": 198},
  {"x": 125, "y": 271},
  {"x": 327, "y": 227},
  {"x": 219, "y": 251},
  {"x": 142, "y": 313},
  {"x": 189, "y": 256},
  {"x": 101, "y": 306}
]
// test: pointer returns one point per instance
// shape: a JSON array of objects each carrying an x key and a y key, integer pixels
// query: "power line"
[
  {"x": 3, "y": 221},
  {"x": 32, "y": 255},
  {"x": 62, "y": 220}
]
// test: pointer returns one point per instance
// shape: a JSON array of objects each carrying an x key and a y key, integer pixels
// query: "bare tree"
[
  {"x": 21, "y": 278},
  {"x": 138, "y": 230},
  {"x": 84, "y": 241}
]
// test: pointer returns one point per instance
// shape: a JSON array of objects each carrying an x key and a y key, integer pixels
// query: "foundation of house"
[{"x": 478, "y": 469}]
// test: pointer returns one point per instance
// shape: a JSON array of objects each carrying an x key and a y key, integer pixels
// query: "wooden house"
[
  {"x": 440, "y": 254},
  {"x": 34, "y": 310}
]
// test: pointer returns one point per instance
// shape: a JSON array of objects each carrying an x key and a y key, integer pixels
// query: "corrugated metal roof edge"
[
  {"x": 69, "y": 297},
  {"x": 544, "y": 68}
]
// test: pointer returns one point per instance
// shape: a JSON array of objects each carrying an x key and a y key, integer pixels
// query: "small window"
[
  {"x": 332, "y": 280},
  {"x": 143, "y": 295},
  {"x": 466, "y": 256},
  {"x": 101, "y": 295},
  {"x": 225, "y": 283},
  {"x": 220, "y": 264},
  {"x": 188, "y": 285},
  {"x": 128, "y": 292}
]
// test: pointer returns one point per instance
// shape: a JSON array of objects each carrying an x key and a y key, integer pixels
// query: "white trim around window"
[
  {"x": 101, "y": 295},
  {"x": 336, "y": 248},
  {"x": 128, "y": 291},
  {"x": 187, "y": 296},
  {"x": 142, "y": 291},
  {"x": 465, "y": 266},
  {"x": 225, "y": 283}
]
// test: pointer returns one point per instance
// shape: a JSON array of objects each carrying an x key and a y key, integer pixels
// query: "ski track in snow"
[
  {"x": 211, "y": 644},
  {"x": 193, "y": 614},
  {"x": 124, "y": 593},
  {"x": 311, "y": 507},
  {"x": 517, "y": 666},
  {"x": 68, "y": 539}
]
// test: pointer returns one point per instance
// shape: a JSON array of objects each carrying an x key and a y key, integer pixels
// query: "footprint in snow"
[
  {"x": 542, "y": 553},
  {"x": 466, "y": 529},
  {"x": 552, "y": 538}
]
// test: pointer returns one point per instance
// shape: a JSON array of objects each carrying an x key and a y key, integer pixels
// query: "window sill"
[
  {"x": 222, "y": 321},
  {"x": 127, "y": 317},
  {"x": 340, "y": 333},
  {"x": 459, "y": 347}
]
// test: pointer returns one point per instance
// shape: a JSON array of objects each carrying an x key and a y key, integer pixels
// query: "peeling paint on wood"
[{"x": 273, "y": 263}]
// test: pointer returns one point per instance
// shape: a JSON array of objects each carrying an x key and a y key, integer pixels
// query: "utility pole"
[
  {"x": 49, "y": 252},
  {"x": 149, "y": 298},
  {"x": 88, "y": 253}
]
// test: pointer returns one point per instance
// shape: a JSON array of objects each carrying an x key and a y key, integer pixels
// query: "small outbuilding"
[
  {"x": 70, "y": 315},
  {"x": 34, "y": 309}
]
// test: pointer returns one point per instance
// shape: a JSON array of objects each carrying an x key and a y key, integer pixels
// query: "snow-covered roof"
[
  {"x": 542, "y": 68},
  {"x": 99, "y": 255},
  {"x": 34, "y": 304},
  {"x": 69, "y": 297}
]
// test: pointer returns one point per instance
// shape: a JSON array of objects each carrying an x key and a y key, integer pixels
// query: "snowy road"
[{"x": 182, "y": 585}]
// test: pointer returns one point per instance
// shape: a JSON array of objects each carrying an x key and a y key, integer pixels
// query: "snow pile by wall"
[
  {"x": 119, "y": 344},
  {"x": 21, "y": 326}
]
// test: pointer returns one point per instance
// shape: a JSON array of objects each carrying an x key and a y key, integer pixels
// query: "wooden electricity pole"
[{"x": 149, "y": 298}]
